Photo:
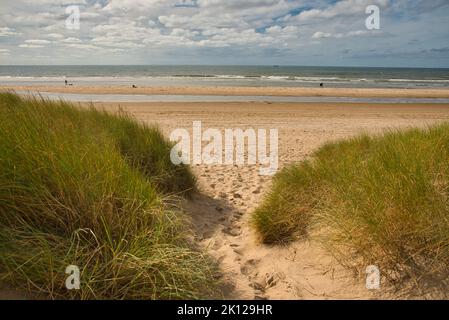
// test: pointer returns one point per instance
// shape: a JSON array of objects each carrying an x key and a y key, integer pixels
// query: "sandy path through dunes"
[{"x": 229, "y": 194}]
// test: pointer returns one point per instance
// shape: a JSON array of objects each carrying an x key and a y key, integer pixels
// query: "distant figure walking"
[
  {"x": 66, "y": 83},
  {"x": 321, "y": 85}
]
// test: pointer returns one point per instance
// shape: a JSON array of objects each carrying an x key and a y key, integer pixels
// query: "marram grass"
[
  {"x": 376, "y": 200},
  {"x": 83, "y": 187}
]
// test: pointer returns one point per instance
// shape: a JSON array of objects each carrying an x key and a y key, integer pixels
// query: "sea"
[{"x": 239, "y": 76}]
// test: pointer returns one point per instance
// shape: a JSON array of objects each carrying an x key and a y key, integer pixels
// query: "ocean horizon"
[{"x": 227, "y": 75}]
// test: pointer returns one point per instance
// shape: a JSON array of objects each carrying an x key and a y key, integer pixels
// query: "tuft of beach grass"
[
  {"x": 376, "y": 200},
  {"x": 96, "y": 190}
]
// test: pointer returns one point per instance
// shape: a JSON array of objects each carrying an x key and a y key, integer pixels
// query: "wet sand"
[{"x": 241, "y": 91}]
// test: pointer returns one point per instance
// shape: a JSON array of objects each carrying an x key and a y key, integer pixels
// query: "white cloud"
[
  {"x": 53, "y": 27},
  {"x": 83, "y": 46},
  {"x": 89, "y": 15},
  {"x": 340, "y": 9},
  {"x": 37, "y": 41},
  {"x": 4, "y": 52},
  {"x": 55, "y": 2},
  {"x": 7, "y": 32},
  {"x": 25, "y": 45},
  {"x": 263, "y": 30},
  {"x": 321, "y": 35},
  {"x": 126, "y": 6},
  {"x": 54, "y": 36},
  {"x": 72, "y": 40},
  {"x": 184, "y": 33}
]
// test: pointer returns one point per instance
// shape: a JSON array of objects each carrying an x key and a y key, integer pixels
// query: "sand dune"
[{"x": 229, "y": 194}]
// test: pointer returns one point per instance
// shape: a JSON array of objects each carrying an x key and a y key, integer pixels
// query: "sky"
[{"x": 413, "y": 33}]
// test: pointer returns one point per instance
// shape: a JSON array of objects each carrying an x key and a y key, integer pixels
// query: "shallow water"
[{"x": 210, "y": 98}]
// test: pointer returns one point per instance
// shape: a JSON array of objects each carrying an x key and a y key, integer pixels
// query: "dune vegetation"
[
  {"x": 83, "y": 187},
  {"x": 374, "y": 200}
]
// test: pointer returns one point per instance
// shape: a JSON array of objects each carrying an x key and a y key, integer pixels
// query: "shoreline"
[
  {"x": 239, "y": 91},
  {"x": 280, "y": 107}
]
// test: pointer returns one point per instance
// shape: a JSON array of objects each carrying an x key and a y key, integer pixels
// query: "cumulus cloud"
[
  {"x": 4, "y": 52},
  {"x": 340, "y": 9},
  {"x": 322, "y": 35},
  {"x": 54, "y": 36},
  {"x": 72, "y": 40},
  {"x": 261, "y": 31},
  {"x": 26, "y": 45},
  {"x": 5, "y": 32},
  {"x": 37, "y": 41}
]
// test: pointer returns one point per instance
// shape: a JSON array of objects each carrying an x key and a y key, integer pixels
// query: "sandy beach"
[
  {"x": 229, "y": 194},
  {"x": 240, "y": 91}
]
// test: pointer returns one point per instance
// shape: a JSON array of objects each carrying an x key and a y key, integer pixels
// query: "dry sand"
[
  {"x": 242, "y": 91},
  {"x": 229, "y": 194}
]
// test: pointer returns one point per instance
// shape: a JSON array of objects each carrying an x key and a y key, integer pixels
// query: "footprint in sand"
[
  {"x": 233, "y": 231},
  {"x": 250, "y": 265}
]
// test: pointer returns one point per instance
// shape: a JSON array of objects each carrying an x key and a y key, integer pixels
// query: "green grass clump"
[
  {"x": 87, "y": 188},
  {"x": 381, "y": 200}
]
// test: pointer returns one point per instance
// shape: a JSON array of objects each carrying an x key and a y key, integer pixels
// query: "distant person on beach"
[
  {"x": 66, "y": 83},
  {"x": 321, "y": 85}
]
